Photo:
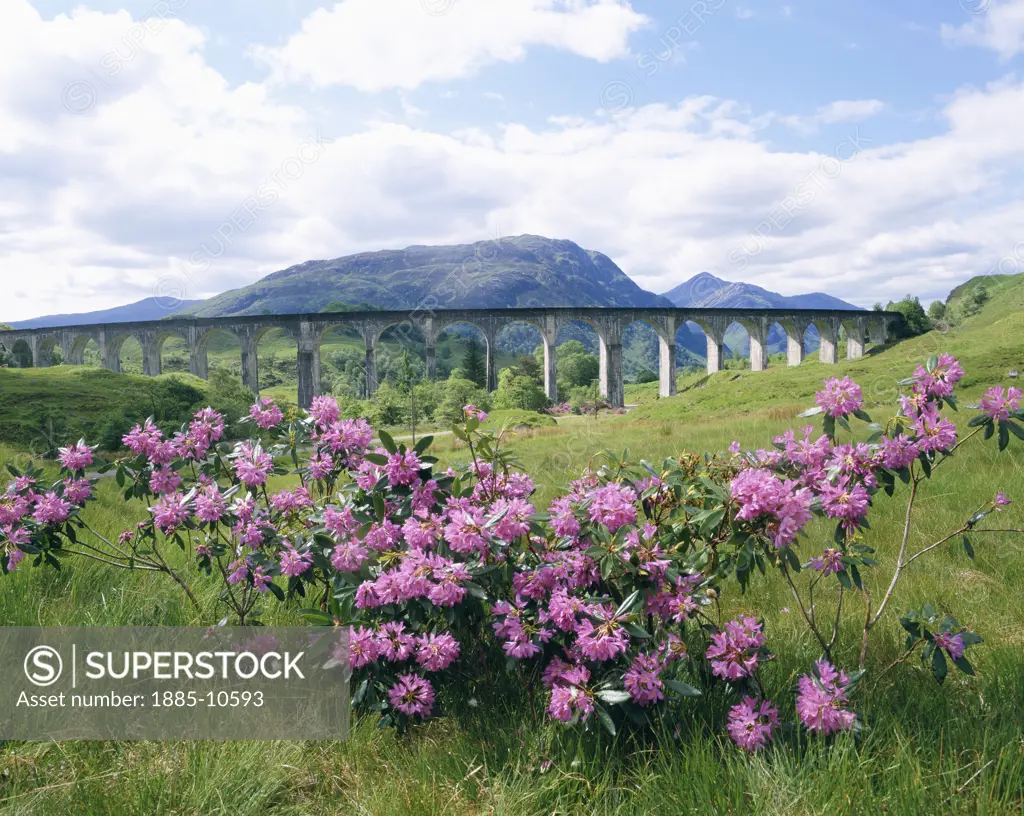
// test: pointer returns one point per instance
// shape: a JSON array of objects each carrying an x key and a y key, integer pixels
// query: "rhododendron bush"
[{"x": 608, "y": 602}]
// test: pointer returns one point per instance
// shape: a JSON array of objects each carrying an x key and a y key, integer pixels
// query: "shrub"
[
  {"x": 516, "y": 390},
  {"x": 647, "y": 376},
  {"x": 452, "y": 583}
]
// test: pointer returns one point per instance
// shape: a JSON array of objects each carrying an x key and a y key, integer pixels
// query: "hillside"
[
  {"x": 526, "y": 270},
  {"x": 150, "y": 308}
]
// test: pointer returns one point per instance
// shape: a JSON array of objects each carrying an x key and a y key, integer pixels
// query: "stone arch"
[
  {"x": 792, "y": 338},
  {"x": 545, "y": 340},
  {"x": 409, "y": 337},
  {"x": 490, "y": 352},
  {"x": 878, "y": 331},
  {"x": 660, "y": 350},
  {"x": 739, "y": 338},
  {"x": 220, "y": 340},
  {"x": 828, "y": 334},
  {"x": 114, "y": 358},
  {"x": 21, "y": 353},
  {"x": 275, "y": 363},
  {"x": 79, "y": 345},
  {"x": 714, "y": 340},
  {"x": 46, "y": 345}
]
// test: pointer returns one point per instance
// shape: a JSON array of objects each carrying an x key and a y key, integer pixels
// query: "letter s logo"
[{"x": 43, "y": 666}]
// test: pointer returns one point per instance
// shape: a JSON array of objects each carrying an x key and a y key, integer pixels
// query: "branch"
[
  {"x": 903, "y": 552},
  {"x": 803, "y": 611}
]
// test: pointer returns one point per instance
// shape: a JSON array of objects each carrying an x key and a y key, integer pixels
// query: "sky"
[{"x": 181, "y": 148}]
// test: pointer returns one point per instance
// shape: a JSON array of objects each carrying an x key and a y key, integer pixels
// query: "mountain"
[
  {"x": 523, "y": 271},
  {"x": 150, "y": 308},
  {"x": 707, "y": 291}
]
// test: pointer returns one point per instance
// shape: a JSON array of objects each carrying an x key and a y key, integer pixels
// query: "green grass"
[{"x": 958, "y": 749}]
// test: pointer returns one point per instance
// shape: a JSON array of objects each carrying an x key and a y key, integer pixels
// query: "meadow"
[{"x": 954, "y": 749}]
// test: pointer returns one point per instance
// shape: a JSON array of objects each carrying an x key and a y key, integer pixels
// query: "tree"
[
  {"x": 473, "y": 363},
  {"x": 459, "y": 393},
  {"x": 515, "y": 390},
  {"x": 936, "y": 310},
  {"x": 528, "y": 366},
  {"x": 646, "y": 376},
  {"x": 915, "y": 321},
  {"x": 878, "y": 307},
  {"x": 575, "y": 366}
]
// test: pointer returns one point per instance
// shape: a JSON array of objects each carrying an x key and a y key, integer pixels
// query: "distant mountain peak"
[{"x": 704, "y": 290}]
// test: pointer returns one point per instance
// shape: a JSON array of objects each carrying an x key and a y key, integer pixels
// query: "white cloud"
[
  {"x": 744, "y": 13},
  {"x": 99, "y": 208},
  {"x": 840, "y": 111},
  {"x": 377, "y": 44},
  {"x": 997, "y": 25}
]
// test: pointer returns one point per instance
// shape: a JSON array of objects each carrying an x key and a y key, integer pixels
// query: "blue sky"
[{"x": 865, "y": 149}]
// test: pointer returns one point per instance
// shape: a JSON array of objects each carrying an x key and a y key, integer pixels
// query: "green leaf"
[
  {"x": 1004, "y": 435},
  {"x": 828, "y": 425},
  {"x": 628, "y": 604},
  {"x": 613, "y": 696},
  {"x": 989, "y": 430},
  {"x": 357, "y": 698},
  {"x": 1015, "y": 429},
  {"x": 979, "y": 420},
  {"x": 376, "y": 458},
  {"x": 637, "y": 631},
  {"x": 968, "y": 548},
  {"x": 939, "y": 667},
  {"x": 862, "y": 415},
  {"x": 606, "y": 719},
  {"x": 378, "y": 506},
  {"x": 683, "y": 689},
  {"x": 423, "y": 444},
  {"x": 844, "y": 579},
  {"x": 964, "y": 666},
  {"x": 387, "y": 442},
  {"x": 933, "y": 361}
]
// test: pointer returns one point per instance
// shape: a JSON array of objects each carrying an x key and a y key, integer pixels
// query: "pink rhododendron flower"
[
  {"x": 77, "y": 491},
  {"x": 348, "y": 556},
  {"x": 412, "y": 695},
  {"x": 821, "y": 700},
  {"x": 999, "y": 404},
  {"x": 362, "y": 647},
  {"x": 293, "y": 562},
  {"x": 394, "y": 643},
  {"x": 324, "y": 410},
  {"x": 954, "y": 644},
  {"x": 164, "y": 480},
  {"x": 612, "y": 506},
  {"x": 170, "y": 512},
  {"x": 436, "y": 652},
  {"x": 1001, "y": 501},
  {"x": 840, "y": 397},
  {"x": 76, "y": 458},
  {"x": 253, "y": 465},
  {"x": 829, "y": 562},
  {"x": 51, "y": 509},
  {"x": 942, "y": 381},
  {"x": 403, "y": 468},
  {"x": 472, "y": 412},
  {"x": 751, "y": 723},
  {"x": 266, "y": 414},
  {"x": 642, "y": 681},
  {"x": 734, "y": 651}
]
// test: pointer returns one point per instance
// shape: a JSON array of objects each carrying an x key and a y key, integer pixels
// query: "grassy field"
[{"x": 958, "y": 749}]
